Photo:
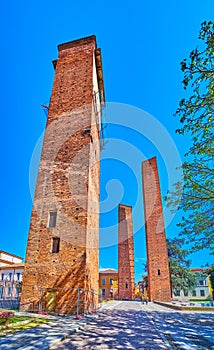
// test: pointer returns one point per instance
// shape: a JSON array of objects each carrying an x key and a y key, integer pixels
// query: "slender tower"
[
  {"x": 61, "y": 270},
  {"x": 126, "y": 285},
  {"x": 157, "y": 255}
]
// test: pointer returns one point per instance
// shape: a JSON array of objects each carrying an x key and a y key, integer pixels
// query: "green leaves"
[
  {"x": 196, "y": 114},
  {"x": 180, "y": 274}
]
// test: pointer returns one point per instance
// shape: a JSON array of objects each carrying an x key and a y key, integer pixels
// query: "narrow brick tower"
[
  {"x": 61, "y": 270},
  {"x": 157, "y": 256},
  {"x": 126, "y": 285}
]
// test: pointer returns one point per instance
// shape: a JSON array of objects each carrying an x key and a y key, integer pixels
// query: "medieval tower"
[
  {"x": 62, "y": 251},
  {"x": 157, "y": 255},
  {"x": 126, "y": 285}
]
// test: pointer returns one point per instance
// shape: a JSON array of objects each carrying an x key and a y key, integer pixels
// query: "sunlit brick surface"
[
  {"x": 68, "y": 183},
  {"x": 126, "y": 286},
  {"x": 157, "y": 256}
]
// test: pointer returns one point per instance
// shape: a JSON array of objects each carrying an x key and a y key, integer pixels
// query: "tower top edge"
[
  {"x": 124, "y": 206},
  {"x": 77, "y": 42}
]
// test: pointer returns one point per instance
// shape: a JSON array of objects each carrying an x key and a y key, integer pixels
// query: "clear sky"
[{"x": 142, "y": 44}]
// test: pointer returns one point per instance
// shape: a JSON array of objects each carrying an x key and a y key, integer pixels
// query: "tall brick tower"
[
  {"x": 126, "y": 285},
  {"x": 157, "y": 256},
  {"x": 62, "y": 251}
]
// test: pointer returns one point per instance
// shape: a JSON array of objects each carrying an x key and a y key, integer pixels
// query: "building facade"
[
  {"x": 11, "y": 274},
  {"x": 62, "y": 251},
  {"x": 157, "y": 255},
  {"x": 108, "y": 284},
  {"x": 201, "y": 291}
]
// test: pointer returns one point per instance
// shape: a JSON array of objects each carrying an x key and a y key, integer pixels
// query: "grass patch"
[
  {"x": 34, "y": 322},
  {"x": 16, "y": 319},
  {"x": 200, "y": 301}
]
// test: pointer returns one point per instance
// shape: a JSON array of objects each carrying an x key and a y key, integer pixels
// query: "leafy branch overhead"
[{"x": 196, "y": 113}]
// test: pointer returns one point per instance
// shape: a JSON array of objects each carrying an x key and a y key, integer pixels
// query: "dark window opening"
[
  {"x": 55, "y": 244},
  {"x": 202, "y": 293},
  {"x": 126, "y": 285},
  {"x": 158, "y": 272},
  {"x": 52, "y": 219}
]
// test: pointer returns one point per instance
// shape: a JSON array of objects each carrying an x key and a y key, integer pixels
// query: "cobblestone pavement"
[
  {"x": 183, "y": 329},
  {"x": 122, "y": 325},
  {"x": 42, "y": 337}
]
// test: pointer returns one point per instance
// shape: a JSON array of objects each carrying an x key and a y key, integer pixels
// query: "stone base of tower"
[{"x": 59, "y": 301}]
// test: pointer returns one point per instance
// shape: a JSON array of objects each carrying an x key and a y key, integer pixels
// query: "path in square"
[
  {"x": 186, "y": 330},
  {"x": 122, "y": 325}
]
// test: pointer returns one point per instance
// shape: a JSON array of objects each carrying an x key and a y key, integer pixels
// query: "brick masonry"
[
  {"x": 157, "y": 256},
  {"x": 126, "y": 285},
  {"x": 68, "y": 184}
]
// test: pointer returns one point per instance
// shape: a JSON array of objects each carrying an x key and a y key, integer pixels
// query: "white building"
[
  {"x": 11, "y": 273},
  {"x": 201, "y": 291}
]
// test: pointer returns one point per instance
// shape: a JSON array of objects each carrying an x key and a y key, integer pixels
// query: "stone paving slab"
[
  {"x": 186, "y": 330},
  {"x": 124, "y": 326},
  {"x": 44, "y": 336}
]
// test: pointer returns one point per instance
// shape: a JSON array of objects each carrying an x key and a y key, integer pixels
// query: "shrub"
[{"x": 5, "y": 317}]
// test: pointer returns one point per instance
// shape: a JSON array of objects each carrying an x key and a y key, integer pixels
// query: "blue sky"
[{"x": 142, "y": 44}]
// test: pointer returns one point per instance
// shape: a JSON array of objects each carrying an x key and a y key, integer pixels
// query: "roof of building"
[
  {"x": 12, "y": 267},
  {"x": 15, "y": 256},
  {"x": 108, "y": 271}
]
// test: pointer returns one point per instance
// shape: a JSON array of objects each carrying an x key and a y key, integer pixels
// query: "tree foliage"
[
  {"x": 180, "y": 275},
  {"x": 210, "y": 272},
  {"x": 196, "y": 113}
]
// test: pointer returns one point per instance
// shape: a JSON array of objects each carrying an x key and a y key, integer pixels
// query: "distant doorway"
[{"x": 51, "y": 300}]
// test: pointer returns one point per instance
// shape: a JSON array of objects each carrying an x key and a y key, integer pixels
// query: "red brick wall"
[
  {"x": 126, "y": 285},
  {"x": 68, "y": 182},
  {"x": 157, "y": 256}
]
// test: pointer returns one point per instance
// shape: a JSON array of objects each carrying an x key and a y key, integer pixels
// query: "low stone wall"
[{"x": 185, "y": 307}]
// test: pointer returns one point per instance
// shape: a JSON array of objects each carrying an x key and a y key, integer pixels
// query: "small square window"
[
  {"x": 55, "y": 244},
  {"x": 52, "y": 219}
]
